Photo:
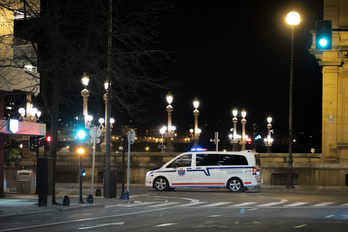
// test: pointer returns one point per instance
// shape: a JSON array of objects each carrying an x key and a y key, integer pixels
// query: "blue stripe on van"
[{"x": 207, "y": 173}]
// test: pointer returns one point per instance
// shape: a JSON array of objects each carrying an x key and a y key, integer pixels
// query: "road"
[{"x": 201, "y": 210}]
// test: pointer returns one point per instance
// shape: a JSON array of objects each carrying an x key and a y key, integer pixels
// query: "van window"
[
  {"x": 183, "y": 161},
  {"x": 233, "y": 160},
  {"x": 207, "y": 159}
]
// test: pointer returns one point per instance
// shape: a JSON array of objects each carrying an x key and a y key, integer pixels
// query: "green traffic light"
[
  {"x": 323, "y": 42},
  {"x": 81, "y": 134}
]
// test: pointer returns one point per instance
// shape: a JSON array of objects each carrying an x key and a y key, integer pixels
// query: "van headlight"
[{"x": 149, "y": 173}]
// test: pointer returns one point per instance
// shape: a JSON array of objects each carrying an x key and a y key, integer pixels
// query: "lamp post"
[
  {"x": 243, "y": 121},
  {"x": 196, "y": 130},
  {"x": 80, "y": 152},
  {"x": 293, "y": 19},
  {"x": 170, "y": 129},
  {"x": 163, "y": 131},
  {"x": 234, "y": 120},
  {"x": 85, "y": 94},
  {"x": 269, "y": 139}
]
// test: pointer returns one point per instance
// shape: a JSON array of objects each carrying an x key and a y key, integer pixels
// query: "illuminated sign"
[{"x": 13, "y": 125}]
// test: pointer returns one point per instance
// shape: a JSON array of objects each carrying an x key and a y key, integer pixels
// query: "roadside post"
[
  {"x": 95, "y": 133},
  {"x": 131, "y": 140}
]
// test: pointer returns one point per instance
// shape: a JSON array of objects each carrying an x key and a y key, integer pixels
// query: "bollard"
[
  {"x": 98, "y": 192},
  {"x": 66, "y": 200},
  {"x": 89, "y": 198}
]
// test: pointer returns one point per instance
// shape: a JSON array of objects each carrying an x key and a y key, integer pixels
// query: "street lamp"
[
  {"x": 170, "y": 129},
  {"x": 196, "y": 130},
  {"x": 163, "y": 131},
  {"x": 293, "y": 19},
  {"x": 269, "y": 139},
  {"x": 33, "y": 114},
  {"x": 80, "y": 152},
  {"x": 85, "y": 94},
  {"x": 234, "y": 120},
  {"x": 169, "y": 109},
  {"x": 243, "y": 121}
]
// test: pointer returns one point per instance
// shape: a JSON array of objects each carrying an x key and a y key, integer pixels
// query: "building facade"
[{"x": 334, "y": 64}]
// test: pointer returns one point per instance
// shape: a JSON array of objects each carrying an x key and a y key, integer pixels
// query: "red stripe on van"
[
  {"x": 198, "y": 184},
  {"x": 247, "y": 182}
]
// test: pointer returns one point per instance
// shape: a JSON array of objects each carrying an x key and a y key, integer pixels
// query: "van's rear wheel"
[
  {"x": 161, "y": 184},
  {"x": 235, "y": 185}
]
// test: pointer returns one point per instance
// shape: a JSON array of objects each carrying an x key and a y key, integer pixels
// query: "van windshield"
[{"x": 182, "y": 161}]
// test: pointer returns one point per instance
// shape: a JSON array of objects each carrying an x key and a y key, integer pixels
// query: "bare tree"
[{"x": 70, "y": 37}]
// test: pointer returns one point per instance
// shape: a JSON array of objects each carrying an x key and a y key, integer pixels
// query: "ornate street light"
[
  {"x": 243, "y": 121},
  {"x": 196, "y": 130},
  {"x": 85, "y": 94},
  {"x": 163, "y": 131},
  {"x": 234, "y": 120},
  {"x": 170, "y": 129},
  {"x": 293, "y": 19},
  {"x": 33, "y": 114},
  {"x": 269, "y": 140}
]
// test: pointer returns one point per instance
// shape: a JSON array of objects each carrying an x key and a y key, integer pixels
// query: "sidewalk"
[{"x": 21, "y": 204}]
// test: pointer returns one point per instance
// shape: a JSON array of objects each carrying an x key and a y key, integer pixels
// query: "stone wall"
[{"x": 309, "y": 169}]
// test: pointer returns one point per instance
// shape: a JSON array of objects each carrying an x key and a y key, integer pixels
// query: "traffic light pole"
[{"x": 80, "y": 180}]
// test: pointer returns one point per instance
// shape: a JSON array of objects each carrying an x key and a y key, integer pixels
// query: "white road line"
[
  {"x": 273, "y": 203},
  {"x": 297, "y": 204},
  {"x": 164, "y": 204},
  {"x": 243, "y": 204},
  {"x": 166, "y": 224},
  {"x": 217, "y": 204},
  {"x": 82, "y": 220},
  {"x": 101, "y": 225},
  {"x": 191, "y": 204},
  {"x": 300, "y": 226},
  {"x": 216, "y": 215},
  {"x": 344, "y": 205},
  {"x": 131, "y": 205},
  {"x": 330, "y": 216},
  {"x": 323, "y": 204}
]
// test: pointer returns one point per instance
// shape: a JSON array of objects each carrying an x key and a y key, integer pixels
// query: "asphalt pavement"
[{"x": 21, "y": 204}]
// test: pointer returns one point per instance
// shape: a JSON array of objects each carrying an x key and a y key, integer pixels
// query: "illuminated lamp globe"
[
  {"x": 196, "y": 103},
  {"x": 169, "y": 98},
  {"x": 293, "y": 18}
]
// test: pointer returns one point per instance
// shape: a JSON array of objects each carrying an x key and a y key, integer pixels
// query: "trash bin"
[
  {"x": 25, "y": 181},
  {"x": 89, "y": 198},
  {"x": 66, "y": 200},
  {"x": 98, "y": 192}
]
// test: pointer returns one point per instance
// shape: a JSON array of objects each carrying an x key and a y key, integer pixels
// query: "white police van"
[{"x": 237, "y": 171}]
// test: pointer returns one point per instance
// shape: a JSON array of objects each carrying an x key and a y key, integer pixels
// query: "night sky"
[{"x": 237, "y": 54}]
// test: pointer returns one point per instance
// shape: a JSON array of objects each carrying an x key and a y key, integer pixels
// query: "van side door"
[
  {"x": 207, "y": 170},
  {"x": 181, "y": 175}
]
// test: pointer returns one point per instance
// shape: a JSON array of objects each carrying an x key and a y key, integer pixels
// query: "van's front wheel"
[
  {"x": 235, "y": 185},
  {"x": 161, "y": 184}
]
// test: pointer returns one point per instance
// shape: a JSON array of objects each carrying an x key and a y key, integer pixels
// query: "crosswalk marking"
[
  {"x": 297, "y": 204},
  {"x": 164, "y": 204},
  {"x": 203, "y": 204},
  {"x": 217, "y": 204},
  {"x": 192, "y": 204},
  {"x": 243, "y": 204},
  {"x": 323, "y": 204}
]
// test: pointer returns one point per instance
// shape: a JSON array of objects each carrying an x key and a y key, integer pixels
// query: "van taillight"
[{"x": 254, "y": 170}]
